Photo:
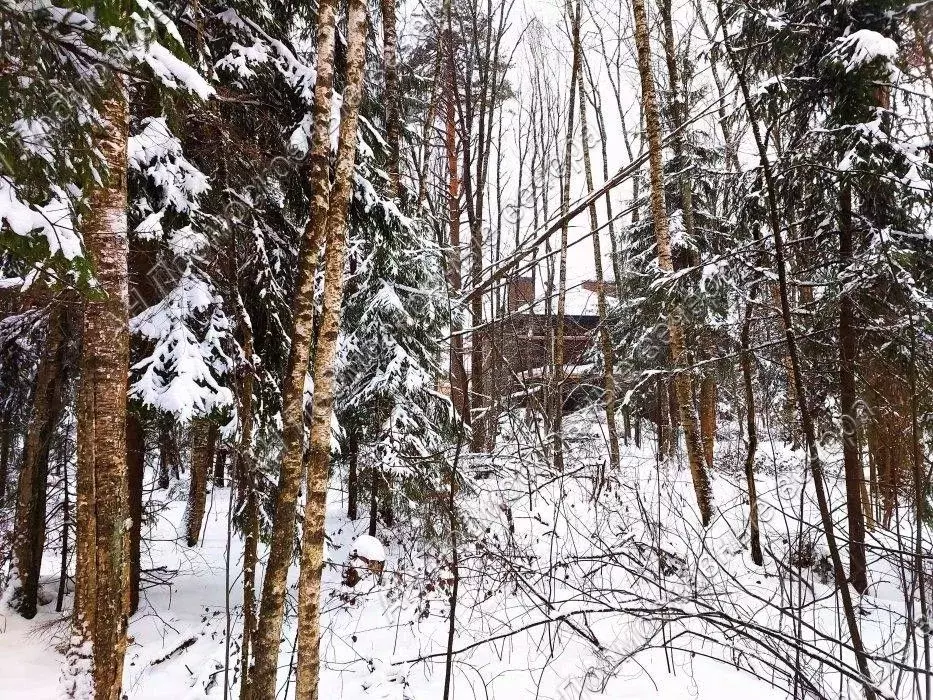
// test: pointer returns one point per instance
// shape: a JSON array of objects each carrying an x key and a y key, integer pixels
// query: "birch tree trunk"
[
  {"x": 573, "y": 16},
  {"x": 682, "y": 377},
  {"x": 262, "y": 676},
  {"x": 312, "y": 544},
  {"x": 29, "y": 532},
  {"x": 610, "y": 218},
  {"x": 102, "y": 543},
  {"x": 605, "y": 343}
]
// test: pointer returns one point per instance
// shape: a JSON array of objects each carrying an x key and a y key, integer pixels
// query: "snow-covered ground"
[{"x": 562, "y": 595}]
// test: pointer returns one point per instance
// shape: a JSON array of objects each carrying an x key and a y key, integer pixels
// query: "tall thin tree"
[
  {"x": 682, "y": 378},
  {"x": 557, "y": 405},
  {"x": 605, "y": 342},
  {"x": 312, "y": 541},
  {"x": 269, "y": 625},
  {"x": 29, "y": 528}
]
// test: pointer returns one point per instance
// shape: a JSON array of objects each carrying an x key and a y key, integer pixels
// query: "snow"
[
  {"x": 34, "y": 136},
  {"x": 242, "y": 59},
  {"x": 583, "y": 565},
  {"x": 52, "y": 220},
  {"x": 150, "y": 228},
  {"x": 299, "y": 142},
  {"x": 369, "y": 548},
  {"x": 366, "y": 195},
  {"x": 11, "y": 282},
  {"x": 174, "y": 72},
  {"x": 180, "y": 375},
  {"x": 162, "y": 18},
  {"x": 158, "y": 154},
  {"x": 185, "y": 242},
  {"x": 553, "y": 597},
  {"x": 862, "y": 47}
]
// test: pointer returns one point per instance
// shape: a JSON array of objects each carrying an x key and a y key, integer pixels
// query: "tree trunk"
[
  {"x": 29, "y": 533},
  {"x": 392, "y": 105},
  {"x": 867, "y": 509},
  {"x": 136, "y": 464},
  {"x": 752, "y": 430},
  {"x": 387, "y": 512},
  {"x": 102, "y": 543},
  {"x": 373, "y": 500},
  {"x": 605, "y": 342},
  {"x": 247, "y": 487},
  {"x": 167, "y": 454},
  {"x": 708, "y": 391},
  {"x": 478, "y": 106},
  {"x": 610, "y": 218},
  {"x": 921, "y": 480},
  {"x": 873, "y": 479},
  {"x": 458, "y": 380},
  {"x": 66, "y": 524},
  {"x": 220, "y": 466},
  {"x": 353, "y": 448},
  {"x": 674, "y": 408},
  {"x": 665, "y": 432},
  {"x": 203, "y": 434},
  {"x": 573, "y": 16},
  {"x": 455, "y": 570},
  {"x": 852, "y": 464},
  {"x": 6, "y": 442},
  {"x": 479, "y": 403},
  {"x": 312, "y": 550},
  {"x": 679, "y": 113},
  {"x": 790, "y": 399},
  {"x": 682, "y": 378},
  {"x": 281, "y": 546}
]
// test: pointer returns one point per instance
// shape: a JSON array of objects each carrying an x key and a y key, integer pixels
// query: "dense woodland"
[{"x": 460, "y": 348}]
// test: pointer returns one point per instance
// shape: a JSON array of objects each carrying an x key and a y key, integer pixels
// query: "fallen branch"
[{"x": 189, "y": 641}]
